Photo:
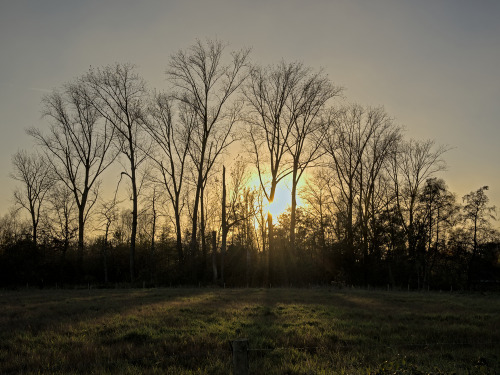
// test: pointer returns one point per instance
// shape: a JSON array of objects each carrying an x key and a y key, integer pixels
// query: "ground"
[{"x": 290, "y": 331}]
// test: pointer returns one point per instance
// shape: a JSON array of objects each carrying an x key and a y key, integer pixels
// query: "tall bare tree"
[
  {"x": 35, "y": 175},
  {"x": 107, "y": 215},
  {"x": 305, "y": 108},
  {"x": 233, "y": 207},
  {"x": 119, "y": 95},
  {"x": 316, "y": 198},
  {"x": 347, "y": 136},
  {"x": 372, "y": 180},
  {"x": 270, "y": 95},
  {"x": 78, "y": 146},
  {"x": 205, "y": 83},
  {"x": 411, "y": 165},
  {"x": 171, "y": 134}
]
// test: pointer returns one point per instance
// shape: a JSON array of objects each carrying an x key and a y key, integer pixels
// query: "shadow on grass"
[
  {"x": 38, "y": 310},
  {"x": 188, "y": 330}
]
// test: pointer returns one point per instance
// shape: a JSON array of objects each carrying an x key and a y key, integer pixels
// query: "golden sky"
[{"x": 433, "y": 65}]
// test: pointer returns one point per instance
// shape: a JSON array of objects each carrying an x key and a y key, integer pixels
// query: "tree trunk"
[
  {"x": 178, "y": 230},
  {"x": 81, "y": 226},
  {"x": 350, "y": 234},
  {"x": 152, "y": 252},
  {"x": 269, "y": 265},
  {"x": 65, "y": 248},
  {"x": 293, "y": 207},
  {"x": 214, "y": 257},
  {"x": 134, "y": 226},
  {"x": 473, "y": 256},
  {"x": 34, "y": 232},
  {"x": 224, "y": 225},
  {"x": 105, "y": 255},
  {"x": 270, "y": 252},
  {"x": 199, "y": 190},
  {"x": 203, "y": 263}
]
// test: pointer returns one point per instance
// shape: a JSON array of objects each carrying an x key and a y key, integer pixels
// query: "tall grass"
[{"x": 290, "y": 331}]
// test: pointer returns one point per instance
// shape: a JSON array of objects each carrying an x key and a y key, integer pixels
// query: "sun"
[
  {"x": 282, "y": 200},
  {"x": 282, "y": 197}
]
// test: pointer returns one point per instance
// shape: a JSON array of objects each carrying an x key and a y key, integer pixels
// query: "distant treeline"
[
  {"x": 373, "y": 209},
  {"x": 310, "y": 262}
]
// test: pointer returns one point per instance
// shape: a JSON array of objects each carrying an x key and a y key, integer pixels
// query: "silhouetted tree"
[
  {"x": 151, "y": 210},
  {"x": 349, "y": 134},
  {"x": 61, "y": 221},
  {"x": 119, "y": 95},
  {"x": 78, "y": 146},
  {"x": 172, "y": 136},
  {"x": 411, "y": 165},
  {"x": 478, "y": 213},
  {"x": 305, "y": 106},
  {"x": 318, "y": 204},
  {"x": 205, "y": 83},
  {"x": 35, "y": 175},
  {"x": 234, "y": 210},
  {"x": 438, "y": 211},
  {"x": 107, "y": 215},
  {"x": 13, "y": 228},
  {"x": 371, "y": 181},
  {"x": 271, "y": 95}
]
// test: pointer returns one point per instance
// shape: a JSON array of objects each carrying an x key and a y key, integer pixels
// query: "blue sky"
[{"x": 433, "y": 65}]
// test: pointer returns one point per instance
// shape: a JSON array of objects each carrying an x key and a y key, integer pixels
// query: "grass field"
[{"x": 290, "y": 331}]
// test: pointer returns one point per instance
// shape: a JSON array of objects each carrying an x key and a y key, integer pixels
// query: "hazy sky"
[{"x": 433, "y": 65}]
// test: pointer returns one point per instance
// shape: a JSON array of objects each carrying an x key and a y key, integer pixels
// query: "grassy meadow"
[{"x": 290, "y": 331}]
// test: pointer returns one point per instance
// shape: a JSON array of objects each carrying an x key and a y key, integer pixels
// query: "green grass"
[{"x": 290, "y": 331}]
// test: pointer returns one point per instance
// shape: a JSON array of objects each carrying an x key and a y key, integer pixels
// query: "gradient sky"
[{"x": 433, "y": 65}]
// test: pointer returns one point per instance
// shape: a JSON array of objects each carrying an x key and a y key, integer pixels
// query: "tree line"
[{"x": 374, "y": 210}]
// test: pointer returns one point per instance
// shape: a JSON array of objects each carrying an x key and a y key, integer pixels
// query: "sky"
[{"x": 433, "y": 65}]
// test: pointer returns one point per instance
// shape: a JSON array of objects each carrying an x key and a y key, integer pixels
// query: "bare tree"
[
  {"x": 61, "y": 219},
  {"x": 371, "y": 179},
  {"x": 270, "y": 95},
  {"x": 411, "y": 165},
  {"x": 13, "y": 227},
  {"x": 119, "y": 95},
  {"x": 225, "y": 223},
  {"x": 261, "y": 216},
  {"x": 315, "y": 196},
  {"x": 204, "y": 83},
  {"x": 107, "y": 214},
  {"x": 267, "y": 94},
  {"x": 477, "y": 211},
  {"x": 151, "y": 212},
  {"x": 347, "y": 136},
  {"x": 34, "y": 173},
  {"x": 439, "y": 211},
  {"x": 172, "y": 136},
  {"x": 233, "y": 209},
  {"x": 77, "y": 146},
  {"x": 305, "y": 107}
]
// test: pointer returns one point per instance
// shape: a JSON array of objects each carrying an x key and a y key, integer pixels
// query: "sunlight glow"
[
  {"x": 282, "y": 197},
  {"x": 280, "y": 203}
]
